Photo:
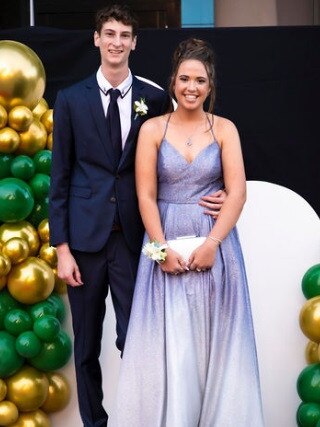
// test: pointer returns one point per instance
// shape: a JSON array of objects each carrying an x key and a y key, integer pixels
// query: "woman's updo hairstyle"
[{"x": 201, "y": 51}]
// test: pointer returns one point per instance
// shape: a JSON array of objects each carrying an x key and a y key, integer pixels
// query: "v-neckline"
[{"x": 214, "y": 142}]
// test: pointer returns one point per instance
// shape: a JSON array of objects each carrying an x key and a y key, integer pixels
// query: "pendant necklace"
[{"x": 189, "y": 141}]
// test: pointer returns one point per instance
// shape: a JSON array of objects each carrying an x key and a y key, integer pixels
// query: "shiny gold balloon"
[
  {"x": 33, "y": 140},
  {"x": 8, "y": 413},
  {"x": 59, "y": 393},
  {"x": 50, "y": 141},
  {"x": 20, "y": 118},
  {"x": 16, "y": 249},
  {"x": 9, "y": 140},
  {"x": 22, "y": 229},
  {"x": 3, "y": 390},
  {"x": 22, "y": 75},
  {"x": 43, "y": 230},
  {"x": 49, "y": 254},
  {"x": 5, "y": 264},
  {"x": 32, "y": 419},
  {"x": 40, "y": 108},
  {"x": 31, "y": 281},
  {"x": 28, "y": 388},
  {"x": 3, "y": 282},
  {"x": 311, "y": 352},
  {"x": 310, "y": 319},
  {"x": 60, "y": 285},
  {"x": 47, "y": 120},
  {"x": 3, "y": 117}
]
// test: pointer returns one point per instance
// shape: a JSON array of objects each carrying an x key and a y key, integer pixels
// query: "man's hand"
[
  {"x": 68, "y": 269},
  {"x": 213, "y": 203}
]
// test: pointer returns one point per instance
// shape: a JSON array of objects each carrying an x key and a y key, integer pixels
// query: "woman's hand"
[
  {"x": 174, "y": 263},
  {"x": 203, "y": 257}
]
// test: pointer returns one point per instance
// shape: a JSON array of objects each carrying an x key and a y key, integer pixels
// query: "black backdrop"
[{"x": 268, "y": 83}]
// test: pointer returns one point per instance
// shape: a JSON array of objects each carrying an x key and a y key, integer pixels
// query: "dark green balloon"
[
  {"x": 40, "y": 184},
  {"x": 39, "y": 212},
  {"x": 16, "y": 200},
  {"x": 308, "y": 383},
  {"x": 54, "y": 355},
  {"x": 311, "y": 282},
  {"x": 42, "y": 161},
  {"x": 47, "y": 328},
  {"x": 10, "y": 360},
  {"x": 7, "y": 303},
  {"x": 308, "y": 414},
  {"x": 58, "y": 303},
  {"x": 28, "y": 344},
  {"x": 5, "y": 162},
  {"x": 22, "y": 167},
  {"x": 40, "y": 309},
  {"x": 17, "y": 321}
]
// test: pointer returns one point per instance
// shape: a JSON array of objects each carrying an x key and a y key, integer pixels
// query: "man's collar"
[{"x": 104, "y": 84}]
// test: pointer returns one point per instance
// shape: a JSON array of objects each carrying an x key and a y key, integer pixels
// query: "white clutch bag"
[{"x": 185, "y": 245}]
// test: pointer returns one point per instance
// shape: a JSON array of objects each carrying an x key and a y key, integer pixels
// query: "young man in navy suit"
[{"x": 93, "y": 215}]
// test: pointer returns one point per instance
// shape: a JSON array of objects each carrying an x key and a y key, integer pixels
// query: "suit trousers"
[{"x": 114, "y": 267}]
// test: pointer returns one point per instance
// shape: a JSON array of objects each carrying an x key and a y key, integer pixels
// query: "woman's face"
[{"x": 191, "y": 85}]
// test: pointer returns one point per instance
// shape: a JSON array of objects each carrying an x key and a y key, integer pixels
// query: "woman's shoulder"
[
  {"x": 224, "y": 128},
  {"x": 155, "y": 124}
]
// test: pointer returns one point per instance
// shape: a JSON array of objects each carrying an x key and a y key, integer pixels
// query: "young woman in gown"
[{"x": 190, "y": 357}]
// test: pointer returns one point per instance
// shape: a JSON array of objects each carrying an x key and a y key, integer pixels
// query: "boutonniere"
[
  {"x": 140, "y": 108},
  {"x": 155, "y": 251}
]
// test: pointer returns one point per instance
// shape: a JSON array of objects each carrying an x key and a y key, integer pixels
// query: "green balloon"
[
  {"x": 16, "y": 200},
  {"x": 39, "y": 212},
  {"x": 42, "y": 161},
  {"x": 40, "y": 184},
  {"x": 10, "y": 360},
  {"x": 311, "y": 282},
  {"x": 318, "y": 424},
  {"x": 28, "y": 344},
  {"x": 58, "y": 303},
  {"x": 47, "y": 328},
  {"x": 7, "y": 303},
  {"x": 22, "y": 167},
  {"x": 308, "y": 414},
  {"x": 54, "y": 355},
  {"x": 5, "y": 162},
  {"x": 40, "y": 309},
  {"x": 17, "y": 321},
  {"x": 308, "y": 383}
]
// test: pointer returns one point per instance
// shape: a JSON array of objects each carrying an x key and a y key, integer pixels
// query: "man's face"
[{"x": 115, "y": 42}]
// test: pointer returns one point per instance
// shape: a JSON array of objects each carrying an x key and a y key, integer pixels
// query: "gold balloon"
[
  {"x": 16, "y": 249},
  {"x": 22, "y": 75},
  {"x": 8, "y": 413},
  {"x": 28, "y": 388},
  {"x": 3, "y": 117},
  {"x": 59, "y": 393},
  {"x": 40, "y": 108},
  {"x": 20, "y": 118},
  {"x": 3, "y": 282},
  {"x": 49, "y": 254},
  {"x": 60, "y": 285},
  {"x": 50, "y": 141},
  {"x": 32, "y": 419},
  {"x": 311, "y": 352},
  {"x": 33, "y": 140},
  {"x": 47, "y": 120},
  {"x": 310, "y": 319},
  {"x": 43, "y": 230},
  {"x": 5, "y": 264},
  {"x": 3, "y": 390},
  {"x": 31, "y": 281},
  {"x": 22, "y": 229},
  {"x": 9, "y": 140}
]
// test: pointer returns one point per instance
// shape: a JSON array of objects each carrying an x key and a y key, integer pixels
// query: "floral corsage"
[
  {"x": 155, "y": 251},
  {"x": 140, "y": 108}
]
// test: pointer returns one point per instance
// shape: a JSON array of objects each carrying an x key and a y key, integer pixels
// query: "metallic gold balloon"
[
  {"x": 5, "y": 264},
  {"x": 33, "y": 140},
  {"x": 60, "y": 285},
  {"x": 16, "y": 249},
  {"x": 3, "y": 389},
  {"x": 40, "y": 108},
  {"x": 3, "y": 117},
  {"x": 8, "y": 413},
  {"x": 49, "y": 254},
  {"x": 22, "y": 229},
  {"x": 20, "y": 118},
  {"x": 50, "y": 141},
  {"x": 47, "y": 120},
  {"x": 9, "y": 140},
  {"x": 32, "y": 419},
  {"x": 59, "y": 393},
  {"x": 312, "y": 352},
  {"x": 31, "y": 281},
  {"x": 28, "y": 388},
  {"x": 310, "y": 319},
  {"x": 22, "y": 75},
  {"x": 43, "y": 230},
  {"x": 3, "y": 282}
]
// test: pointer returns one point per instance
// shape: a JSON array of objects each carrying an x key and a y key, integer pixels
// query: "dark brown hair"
[
  {"x": 118, "y": 12},
  {"x": 201, "y": 51}
]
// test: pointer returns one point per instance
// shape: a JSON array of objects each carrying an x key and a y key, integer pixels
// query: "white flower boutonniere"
[
  {"x": 140, "y": 108},
  {"x": 155, "y": 251}
]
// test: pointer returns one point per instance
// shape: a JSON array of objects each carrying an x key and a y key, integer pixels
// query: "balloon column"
[
  {"x": 308, "y": 383},
  {"x": 33, "y": 345}
]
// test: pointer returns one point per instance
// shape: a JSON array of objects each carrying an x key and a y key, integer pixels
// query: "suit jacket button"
[{"x": 112, "y": 199}]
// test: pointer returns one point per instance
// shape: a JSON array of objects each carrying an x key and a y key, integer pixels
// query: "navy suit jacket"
[{"x": 85, "y": 186}]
